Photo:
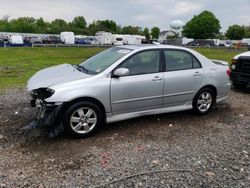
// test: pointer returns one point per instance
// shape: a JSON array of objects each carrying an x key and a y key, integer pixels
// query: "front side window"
[
  {"x": 103, "y": 60},
  {"x": 143, "y": 63},
  {"x": 180, "y": 60}
]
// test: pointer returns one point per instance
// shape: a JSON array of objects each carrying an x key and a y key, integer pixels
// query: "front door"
[{"x": 143, "y": 88}]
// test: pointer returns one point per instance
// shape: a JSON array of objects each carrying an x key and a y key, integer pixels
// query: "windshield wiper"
[{"x": 82, "y": 68}]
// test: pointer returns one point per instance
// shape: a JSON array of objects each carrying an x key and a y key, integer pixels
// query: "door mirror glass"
[{"x": 121, "y": 72}]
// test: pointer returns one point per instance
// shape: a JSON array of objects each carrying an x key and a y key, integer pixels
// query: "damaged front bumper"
[{"x": 48, "y": 113}]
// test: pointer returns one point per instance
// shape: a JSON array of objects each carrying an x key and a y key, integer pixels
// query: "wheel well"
[{"x": 95, "y": 101}]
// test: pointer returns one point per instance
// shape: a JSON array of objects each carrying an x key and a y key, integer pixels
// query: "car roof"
[{"x": 150, "y": 46}]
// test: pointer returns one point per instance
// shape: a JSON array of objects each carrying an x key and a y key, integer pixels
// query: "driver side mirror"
[{"x": 120, "y": 72}]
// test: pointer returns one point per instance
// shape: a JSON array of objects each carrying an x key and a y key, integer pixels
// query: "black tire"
[
  {"x": 72, "y": 112},
  {"x": 198, "y": 96}
]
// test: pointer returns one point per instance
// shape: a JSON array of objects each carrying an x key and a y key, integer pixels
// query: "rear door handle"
[
  {"x": 197, "y": 74},
  {"x": 157, "y": 78}
]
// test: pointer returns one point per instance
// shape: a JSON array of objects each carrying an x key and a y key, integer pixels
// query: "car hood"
[{"x": 54, "y": 75}]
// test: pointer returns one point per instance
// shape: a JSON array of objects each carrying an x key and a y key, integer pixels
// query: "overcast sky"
[{"x": 144, "y": 13}]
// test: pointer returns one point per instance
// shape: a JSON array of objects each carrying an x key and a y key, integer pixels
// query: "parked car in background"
[
  {"x": 148, "y": 41},
  {"x": 51, "y": 40},
  {"x": 92, "y": 40},
  {"x": 82, "y": 41},
  {"x": 127, "y": 82},
  {"x": 201, "y": 42},
  {"x": 240, "y": 70},
  {"x": 28, "y": 41},
  {"x": 1, "y": 42},
  {"x": 36, "y": 40}
]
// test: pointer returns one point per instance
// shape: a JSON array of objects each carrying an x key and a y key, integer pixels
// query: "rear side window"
[{"x": 180, "y": 60}]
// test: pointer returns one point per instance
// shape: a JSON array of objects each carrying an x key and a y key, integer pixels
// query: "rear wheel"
[
  {"x": 203, "y": 101},
  {"x": 82, "y": 119}
]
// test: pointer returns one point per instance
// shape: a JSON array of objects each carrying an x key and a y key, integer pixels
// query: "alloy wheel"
[
  {"x": 204, "y": 101},
  {"x": 83, "y": 120}
]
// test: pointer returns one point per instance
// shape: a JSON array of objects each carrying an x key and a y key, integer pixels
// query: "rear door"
[
  {"x": 182, "y": 78},
  {"x": 143, "y": 88}
]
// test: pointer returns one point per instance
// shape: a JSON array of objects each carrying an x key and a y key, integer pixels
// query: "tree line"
[
  {"x": 202, "y": 26},
  {"x": 78, "y": 25},
  {"x": 206, "y": 25}
]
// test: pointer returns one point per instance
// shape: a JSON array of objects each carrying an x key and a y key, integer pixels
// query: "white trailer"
[
  {"x": 132, "y": 39},
  {"x": 185, "y": 41},
  {"x": 139, "y": 38},
  {"x": 246, "y": 41},
  {"x": 117, "y": 39},
  {"x": 104, "y": 37},
  {"x": 16, "y": 39},
  {"x": 67, "y": 37}
]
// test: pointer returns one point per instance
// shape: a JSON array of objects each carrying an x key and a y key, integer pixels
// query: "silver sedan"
[{"x": 127, "y": 82}]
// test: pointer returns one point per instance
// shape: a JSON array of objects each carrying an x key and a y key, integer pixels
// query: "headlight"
[{"x": 43, "y": 93}]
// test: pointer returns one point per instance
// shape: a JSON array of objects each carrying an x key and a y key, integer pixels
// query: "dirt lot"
[{"x": 196, "y": 151}]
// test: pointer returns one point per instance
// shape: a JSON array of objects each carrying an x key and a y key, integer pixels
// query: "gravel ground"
[{"x": 196, "y": 151}]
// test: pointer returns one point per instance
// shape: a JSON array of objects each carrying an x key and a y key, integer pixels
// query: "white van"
[{"x": 67, "y": 37}]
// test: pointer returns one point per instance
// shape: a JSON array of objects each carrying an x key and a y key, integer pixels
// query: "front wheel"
[
  {"x": 82, "y": 119},
  {"x": 203, "y": 101}
]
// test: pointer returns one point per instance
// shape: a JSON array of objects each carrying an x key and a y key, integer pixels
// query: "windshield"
[{"x": 103, "y": 60}]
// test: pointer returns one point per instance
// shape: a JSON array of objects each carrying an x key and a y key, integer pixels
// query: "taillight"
[{"x": 228, "y": 72}]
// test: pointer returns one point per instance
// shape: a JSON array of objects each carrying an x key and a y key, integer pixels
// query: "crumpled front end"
[{"x": 48, "y": 113}]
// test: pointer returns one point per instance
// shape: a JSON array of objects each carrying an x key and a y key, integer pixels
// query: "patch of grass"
[
  {"x": 220, "y": 54},
  {"x": 19, "y": 64}
]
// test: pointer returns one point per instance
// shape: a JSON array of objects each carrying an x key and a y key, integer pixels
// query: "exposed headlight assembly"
[{"x": 43, "y": 93}]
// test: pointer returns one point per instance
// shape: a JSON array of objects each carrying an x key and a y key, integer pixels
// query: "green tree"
[
  {"x": 4, "y": 26},
  {"x": 107, "y": 25},
  {"x": 247, "y": 32},
  {"x": 220, "y": 36},
  {"x": 155, "y": 32},
  {"x": 202, "y": 26},
  {"x": 58, "y": 25},
  {"x": 146, "y": 33},
  {"x": 132, "y": 30},
  {"x": 102, "y": 25},
  {"x": 235, "y": 32},
  {"x": 79, "y": 22},
  {"x": 41, "y": 26},
  {"x": 22, "y": 25}
]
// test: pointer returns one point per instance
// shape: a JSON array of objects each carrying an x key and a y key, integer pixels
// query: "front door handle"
[
  {"x": 157, "y": 78},
  {"x": 197, "y": 74}
]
